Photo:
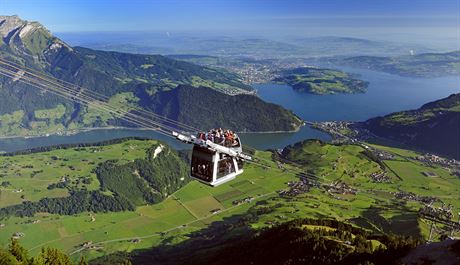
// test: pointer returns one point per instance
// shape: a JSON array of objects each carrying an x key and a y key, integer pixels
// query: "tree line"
[{"x": 77, "y": 202}]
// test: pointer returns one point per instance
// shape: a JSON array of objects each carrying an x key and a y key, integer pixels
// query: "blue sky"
[{"x": 349, "y": 17}]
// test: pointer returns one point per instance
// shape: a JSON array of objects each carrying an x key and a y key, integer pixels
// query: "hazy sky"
[{"x": 265, "y": 17}]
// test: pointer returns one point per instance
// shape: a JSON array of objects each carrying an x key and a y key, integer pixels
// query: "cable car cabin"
[
  {"x": 217, "y": 156},
  {"x": 213, "y": 167}
]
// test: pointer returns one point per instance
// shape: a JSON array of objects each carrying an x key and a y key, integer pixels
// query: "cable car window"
[
  {"x": 225, "y": 167},
  {"x": 202, "y": 165},
  {"x": 202, "y": 169}
]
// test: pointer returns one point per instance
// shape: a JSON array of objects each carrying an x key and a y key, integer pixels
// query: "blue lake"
[{"x": 386, "y": 93}]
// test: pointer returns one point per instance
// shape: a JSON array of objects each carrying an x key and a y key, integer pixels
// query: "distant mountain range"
[
  {"x": 420, "y": 65},
  {"x": 128, "y": 79},
  {"x": 347, "y": 46},
  {"x": 246, "y": 47},
  {"x": 435, "y": 127}
]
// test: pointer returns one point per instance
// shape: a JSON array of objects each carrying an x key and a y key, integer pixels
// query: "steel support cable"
[
  {"x": 122, "y": 115},
  {"x": 83, "y": 98},
  {"x": 89, "y": 101},
  {"x": 62, "y": 92},
  {"x": 86, "y": 91},
  {"x": 95, "y": 103},
  {"x": 27, "y": 80},
  {"x": 92, "y": 93},
  {"x": 68, "y": 96},
  {"x": 97, "y": 107},
  {"x": 66, "y": 92},
  {"x": 70, "y": 92}
]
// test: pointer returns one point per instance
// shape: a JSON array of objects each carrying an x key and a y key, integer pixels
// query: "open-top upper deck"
[{"x": 225, "y": 138}]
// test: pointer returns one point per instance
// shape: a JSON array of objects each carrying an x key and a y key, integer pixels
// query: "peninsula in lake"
[{"x": 322, "y": 81}]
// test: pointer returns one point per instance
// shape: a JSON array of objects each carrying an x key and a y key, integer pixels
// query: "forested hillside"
[
  {"x": 434, "y": 127},
  {"x": 210, "y": 109}
]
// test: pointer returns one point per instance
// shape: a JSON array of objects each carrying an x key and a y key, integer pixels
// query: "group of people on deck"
[{"x": 225, "y": 138}]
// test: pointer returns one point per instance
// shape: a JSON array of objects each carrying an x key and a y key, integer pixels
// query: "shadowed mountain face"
[
  {"x": 435, "y": 127},
  {"x": 25, "y": 110}
]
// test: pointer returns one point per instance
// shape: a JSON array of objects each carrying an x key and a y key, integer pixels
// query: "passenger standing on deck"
[
  {"x": 209, "y": 136},
  {"x": 217, "y": 137},
  {"x": 228, "y": 139},
  {"x": 222, "y": 139}
]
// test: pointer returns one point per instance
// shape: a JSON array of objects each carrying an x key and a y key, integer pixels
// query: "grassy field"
[
  {"x": 30, "y": 175},
  {"x": 191, "y": 208}
]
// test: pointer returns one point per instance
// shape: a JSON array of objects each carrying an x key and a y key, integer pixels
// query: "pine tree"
[
  {"x": 83, "y": 261},
  {"x": 7, "y": 258},
  {"x": 18, "y": 251},
  {"x": 126, "y": 262},
  {"x": 51, "y": 256}
]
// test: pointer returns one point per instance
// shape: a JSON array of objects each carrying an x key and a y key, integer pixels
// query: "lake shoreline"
[{"x": 71, "y": 133}]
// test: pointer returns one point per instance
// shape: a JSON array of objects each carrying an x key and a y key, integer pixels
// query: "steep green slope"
[
  {"x": 128, "y": 71},
  {"x": 321, "y": 81},
  {"x": 435, "y": 127},
  {"x": 420, "y": 65},
  {"x": 128, "y": 79}
]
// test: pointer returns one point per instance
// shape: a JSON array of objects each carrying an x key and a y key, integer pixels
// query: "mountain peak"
[
  {"x": 8, "y": 24},
  {"x": 28, "y": 37}
]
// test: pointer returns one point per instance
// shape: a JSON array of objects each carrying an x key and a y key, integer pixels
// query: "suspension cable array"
[
  {"x": 78, "y": 94},
  {"x": 131, "y": 114}
]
